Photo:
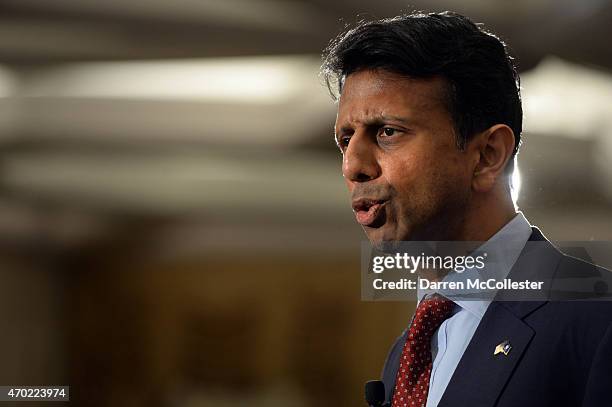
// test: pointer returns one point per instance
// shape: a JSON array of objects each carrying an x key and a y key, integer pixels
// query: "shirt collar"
[{"x": 504, "y": 247}]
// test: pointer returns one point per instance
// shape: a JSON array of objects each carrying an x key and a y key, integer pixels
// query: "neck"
[
  {"x": 479, "y": 227},
  {"x": 486, "y": 215}
]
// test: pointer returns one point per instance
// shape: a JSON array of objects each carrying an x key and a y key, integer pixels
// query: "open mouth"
[{"x": 370, "y": 212}]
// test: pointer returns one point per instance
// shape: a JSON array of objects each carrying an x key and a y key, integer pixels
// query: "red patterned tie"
[{"x": 412, "y": 381}]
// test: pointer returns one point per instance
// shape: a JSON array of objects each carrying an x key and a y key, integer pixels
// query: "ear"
[{"x": 494, "y": 149}]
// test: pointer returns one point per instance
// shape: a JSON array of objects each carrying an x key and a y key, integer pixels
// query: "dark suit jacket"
[{"x": 561, "y": 350}]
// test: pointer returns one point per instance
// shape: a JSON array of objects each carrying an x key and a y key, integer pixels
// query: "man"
[{"x": 429, "y": 123}]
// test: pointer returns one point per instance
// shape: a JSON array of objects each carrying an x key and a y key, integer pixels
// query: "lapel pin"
[{"x": 503, "y": 347}]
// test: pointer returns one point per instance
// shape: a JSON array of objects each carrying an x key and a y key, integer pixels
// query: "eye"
[
  {"x": 388, "y": 131},
  {"x": 343, "y": 142}
]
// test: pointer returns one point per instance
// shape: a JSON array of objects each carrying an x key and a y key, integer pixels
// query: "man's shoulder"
[
  {"x": 587, "y": 284},
  {"x": 580, "y": 293},
  {"x": 580, "y": 303},
  {"x": 570, "y": 266},
  {"x": 567, "y": 278}
]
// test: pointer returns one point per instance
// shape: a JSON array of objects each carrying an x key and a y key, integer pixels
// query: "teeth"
[{"x": 369, "y": 206}]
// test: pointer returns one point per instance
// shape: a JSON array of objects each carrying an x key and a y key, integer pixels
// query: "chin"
[{"x": 385, "y": 240}]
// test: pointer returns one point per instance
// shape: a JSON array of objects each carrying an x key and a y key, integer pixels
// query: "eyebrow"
[{"x": 377, "y": 121}]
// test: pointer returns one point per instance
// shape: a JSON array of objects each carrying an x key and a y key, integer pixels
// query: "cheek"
[
  {"x": 407, "y": 171},
  {"x": 423, "y": 182}
]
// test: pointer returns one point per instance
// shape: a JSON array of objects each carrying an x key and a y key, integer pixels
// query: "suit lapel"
[
  {"x": 481, "y": 376},
  {"x": 392, "y": 365}
]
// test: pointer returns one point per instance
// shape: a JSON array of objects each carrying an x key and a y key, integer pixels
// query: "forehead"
[{"x": 370, "y": 93}]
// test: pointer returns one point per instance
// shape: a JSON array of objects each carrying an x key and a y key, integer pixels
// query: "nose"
[{"x": 360, "y": 163}]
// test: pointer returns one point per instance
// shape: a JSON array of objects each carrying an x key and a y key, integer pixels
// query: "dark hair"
[{"x": 483, "y": 87}]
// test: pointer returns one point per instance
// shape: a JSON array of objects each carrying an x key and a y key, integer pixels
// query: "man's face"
[{"x": 407, "y": 178}]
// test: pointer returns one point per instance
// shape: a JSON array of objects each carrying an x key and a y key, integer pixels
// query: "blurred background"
[{"x": 174, "y": 229}]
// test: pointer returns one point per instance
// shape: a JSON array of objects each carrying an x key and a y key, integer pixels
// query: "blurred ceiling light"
[
  {"x": 227, "y": 80},
  {"x": 9, "y": 111},
  {"x": 8, "y": 82},
  {"x": 565, "y": 99},
  {"x": 228, "y": 101},
  {"x": 175, "y": 182}
]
